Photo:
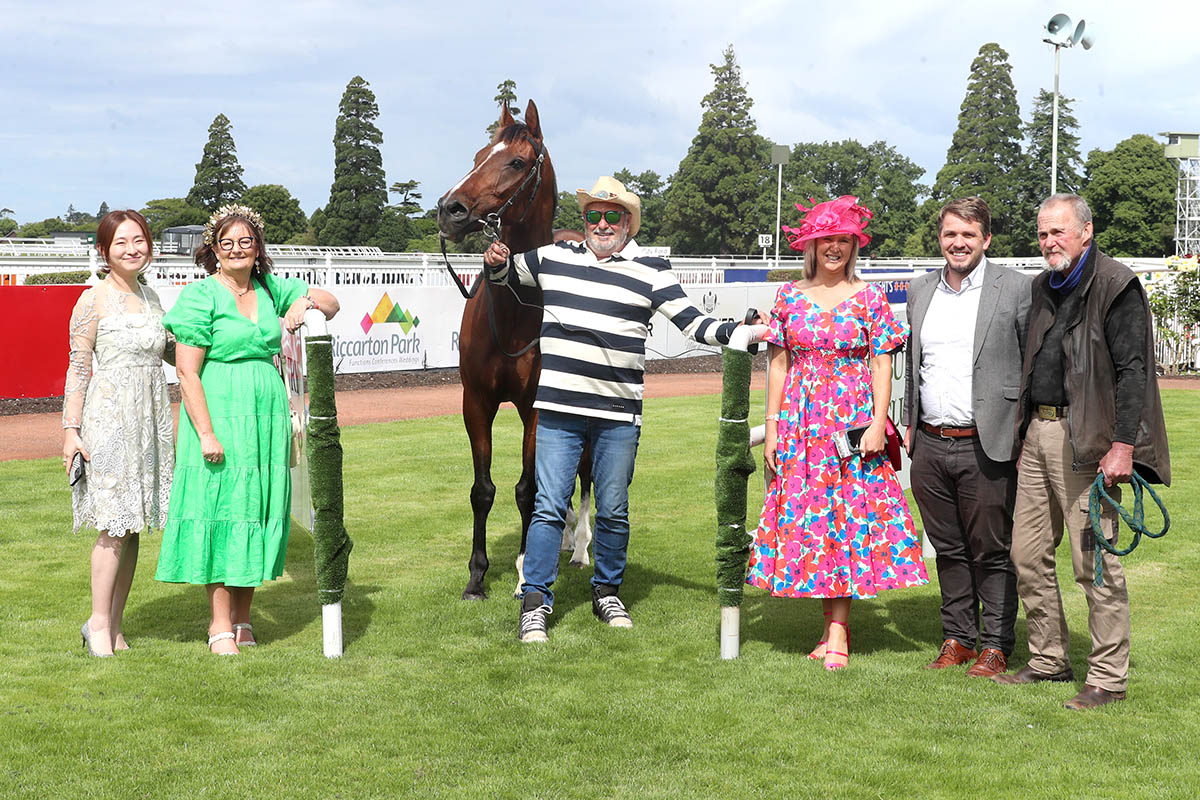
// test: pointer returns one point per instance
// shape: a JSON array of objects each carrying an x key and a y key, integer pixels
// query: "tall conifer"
[
  {"x": 716, "y": 201},
  {"x": 359, "y": 191},
  {"x": 985, "y": 156},
  {"x": 218, "y": 175},
  {"x": 1039, "y": 133}
]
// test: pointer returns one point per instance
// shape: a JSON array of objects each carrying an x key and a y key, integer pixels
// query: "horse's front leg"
[
  {"x": 526, "y": 489},
  {"x": 478, "y": 419}
]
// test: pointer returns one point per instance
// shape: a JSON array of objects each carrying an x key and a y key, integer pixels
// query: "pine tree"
[
  {"x": 716, "y": 202},
  {"x": 506, "y": 95},
  {"x": 359, "y": 189},
  {"x": 102, "y": 210},
  {"x": 985, "y": 156},
  {"x": 1039, "y": 134},
  {"x": 218, "y": 175}
]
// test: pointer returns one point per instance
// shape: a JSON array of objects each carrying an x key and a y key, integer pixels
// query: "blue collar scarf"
[{"x": 1065, "y": 283}]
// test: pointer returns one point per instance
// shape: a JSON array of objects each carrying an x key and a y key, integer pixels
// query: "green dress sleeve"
[
  {"x": 191, "y": 318},
  {"x": 285, "y": 291}
]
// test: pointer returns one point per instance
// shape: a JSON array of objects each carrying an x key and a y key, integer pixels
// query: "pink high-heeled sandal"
[
  {"x": 813, "y": 653},
  {"x": 834, "y": 666}
]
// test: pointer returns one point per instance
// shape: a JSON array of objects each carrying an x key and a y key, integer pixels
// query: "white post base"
[
  {"x": 331, "y": 627},
  {"x": 731, "y": 631}
]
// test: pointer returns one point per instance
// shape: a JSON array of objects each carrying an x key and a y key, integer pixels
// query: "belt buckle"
[{"x": 1047, "y": 412}]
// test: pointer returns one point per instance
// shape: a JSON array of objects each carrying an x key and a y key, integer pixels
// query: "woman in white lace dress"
[{"x": 117, "y": 414}]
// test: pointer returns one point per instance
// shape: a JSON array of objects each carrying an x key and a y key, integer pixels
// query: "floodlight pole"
[
  {"x": 778, "y": 220},
  {"x": 1054, "y": 128},
  {"x": 780, "y": 155}
]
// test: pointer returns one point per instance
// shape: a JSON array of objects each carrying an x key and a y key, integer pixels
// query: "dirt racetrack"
[{"x": 39, "y": 435}]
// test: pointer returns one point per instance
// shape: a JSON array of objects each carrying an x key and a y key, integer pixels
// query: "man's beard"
[
  {"x": 606, "y": 247},
  {"x": 1064, "y": 263},
  {"x": 965, "y": 269}
]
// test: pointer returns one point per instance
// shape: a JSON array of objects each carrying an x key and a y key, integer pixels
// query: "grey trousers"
[
  {"x": 966, "y": 502},
  {"x": 1049, "y": 495}
]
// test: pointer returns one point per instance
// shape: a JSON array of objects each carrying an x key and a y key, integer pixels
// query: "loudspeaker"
[{"x": 1057, "y": 24}]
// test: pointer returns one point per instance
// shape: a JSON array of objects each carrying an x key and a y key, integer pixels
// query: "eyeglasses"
[
  {"x": 611, "y": 217},
  {"x": 244, "y": 243}
]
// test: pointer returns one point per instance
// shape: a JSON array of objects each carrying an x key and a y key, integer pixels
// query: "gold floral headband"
[{"x": 224, "y": 212}]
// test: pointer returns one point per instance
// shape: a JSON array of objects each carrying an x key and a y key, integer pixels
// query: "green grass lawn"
[{"x": 436, "y": 698}]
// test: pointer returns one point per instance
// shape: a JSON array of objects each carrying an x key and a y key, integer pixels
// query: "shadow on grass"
[
  {"x": 886, "y": 624},
  {"x": 281, "y": 609}
]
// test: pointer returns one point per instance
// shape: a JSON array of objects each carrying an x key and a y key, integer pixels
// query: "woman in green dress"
[{"x": 229, "y": 516}]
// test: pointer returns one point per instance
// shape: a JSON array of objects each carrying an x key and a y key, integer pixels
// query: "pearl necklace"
[{"x": 233, "y": 286}]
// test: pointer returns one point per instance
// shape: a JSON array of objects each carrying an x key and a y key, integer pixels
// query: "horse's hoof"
[
  {"x": 469, "y": 595},
  {"x": 577, "y": 564}
]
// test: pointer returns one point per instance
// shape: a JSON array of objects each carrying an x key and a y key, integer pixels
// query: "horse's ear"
[
  {"x": 506, "y": 117},
  {"x": 531, "y": 120}
]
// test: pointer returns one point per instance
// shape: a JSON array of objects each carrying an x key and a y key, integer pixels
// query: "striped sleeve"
[
  {"x": 671, "y": 301},
  {"x": 519, "y": 269}
]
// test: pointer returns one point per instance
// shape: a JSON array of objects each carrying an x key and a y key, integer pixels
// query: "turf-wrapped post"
[
  {"x": 331, "y": 543},
  {"x": 734, "y": 467}
]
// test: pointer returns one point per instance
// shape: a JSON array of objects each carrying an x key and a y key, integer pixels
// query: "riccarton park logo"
[
  {"x": 390, "y": 340},
  {"x": 386, "y": 312}
]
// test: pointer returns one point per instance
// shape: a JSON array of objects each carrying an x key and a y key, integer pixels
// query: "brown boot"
[
  {"x": 1092, "y": 697},
  {"x": 991, "y": 662},
  {"x": 952, "y": 654}
]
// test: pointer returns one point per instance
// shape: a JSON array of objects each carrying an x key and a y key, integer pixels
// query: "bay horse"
[{"x": 510, "y": 192}]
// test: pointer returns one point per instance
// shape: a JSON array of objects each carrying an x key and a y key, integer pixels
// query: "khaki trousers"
[{"x": 1049, "y": 494}]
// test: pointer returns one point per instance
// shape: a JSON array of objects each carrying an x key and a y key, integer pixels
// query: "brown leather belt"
[
  {"x": 1050, "y": 412},
  {"x": 948, "y": 432}
]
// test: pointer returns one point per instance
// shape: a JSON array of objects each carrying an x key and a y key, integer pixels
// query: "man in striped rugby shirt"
[{"x": 598, "y": 296}]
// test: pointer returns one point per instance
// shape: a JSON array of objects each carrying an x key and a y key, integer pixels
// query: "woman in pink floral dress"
[{"x": 834, "y": 527}]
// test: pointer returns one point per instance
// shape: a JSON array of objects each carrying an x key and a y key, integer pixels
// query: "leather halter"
[
  {"x": 492, "y": 222},
  {"x": 492, "y": 229}
]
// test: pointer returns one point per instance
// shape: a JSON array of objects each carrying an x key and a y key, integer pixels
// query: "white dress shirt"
[{"x": 948, "y": 349}]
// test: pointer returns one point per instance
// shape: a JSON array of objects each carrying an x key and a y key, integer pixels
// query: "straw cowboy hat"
[{"x": 611, "y": 190}]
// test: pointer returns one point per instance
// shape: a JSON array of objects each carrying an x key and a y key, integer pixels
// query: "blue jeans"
[{"x": 560, "y": 441}]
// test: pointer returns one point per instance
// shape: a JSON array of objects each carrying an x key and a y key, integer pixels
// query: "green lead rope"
[{"x": 1135, "y": 521}]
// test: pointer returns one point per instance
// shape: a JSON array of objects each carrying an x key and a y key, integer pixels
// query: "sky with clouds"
[{"x": 112, "y": 102}]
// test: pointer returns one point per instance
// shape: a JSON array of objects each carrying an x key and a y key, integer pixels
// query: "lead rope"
[{"x": 1135, "y": 521}]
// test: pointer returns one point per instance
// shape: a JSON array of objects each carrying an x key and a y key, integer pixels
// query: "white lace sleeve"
[{"x": 84, "y": 321}]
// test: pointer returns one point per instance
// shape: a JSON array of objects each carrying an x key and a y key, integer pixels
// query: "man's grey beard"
[{"x": 601, "y": 249}]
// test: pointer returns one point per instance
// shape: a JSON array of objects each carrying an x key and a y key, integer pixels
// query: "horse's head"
[{"x": 507, "y": 179}]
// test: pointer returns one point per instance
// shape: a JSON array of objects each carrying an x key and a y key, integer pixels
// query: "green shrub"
[
  {"x": 47, "y": 278},
  {"x": 784, "y": 275}
]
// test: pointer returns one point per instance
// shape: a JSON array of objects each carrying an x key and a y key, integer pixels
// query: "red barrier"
[{"x": 33, "y": 339}]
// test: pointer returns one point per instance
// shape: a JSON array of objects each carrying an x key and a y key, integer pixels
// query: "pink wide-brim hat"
[{"x": 840, "y": 217}]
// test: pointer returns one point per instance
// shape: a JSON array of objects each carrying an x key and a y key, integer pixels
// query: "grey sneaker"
[
  {"x": 608, "y": 608},
  {"x": 531, "y": 627}
]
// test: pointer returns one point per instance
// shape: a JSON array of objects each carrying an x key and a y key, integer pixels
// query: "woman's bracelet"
[{"x": 311, "y": 303}]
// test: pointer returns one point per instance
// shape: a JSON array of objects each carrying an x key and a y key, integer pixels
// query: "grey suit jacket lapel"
[
  {"x": 919, "y": 302},
  {"x": 988, "y": 300}
]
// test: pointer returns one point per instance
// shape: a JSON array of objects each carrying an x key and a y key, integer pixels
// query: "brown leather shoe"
[
  {"x": 991, "y": 662},
  {"x": 1027, "y": 674},
  {"x": 952, "y": 654},
  {"x": 1092, "y": 697}
]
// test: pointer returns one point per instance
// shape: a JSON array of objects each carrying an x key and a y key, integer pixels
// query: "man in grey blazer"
[{"x": 963, "y": 380}]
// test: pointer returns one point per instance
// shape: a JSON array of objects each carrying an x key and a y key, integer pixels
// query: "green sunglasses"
[{"x": 611, "y": 217}]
